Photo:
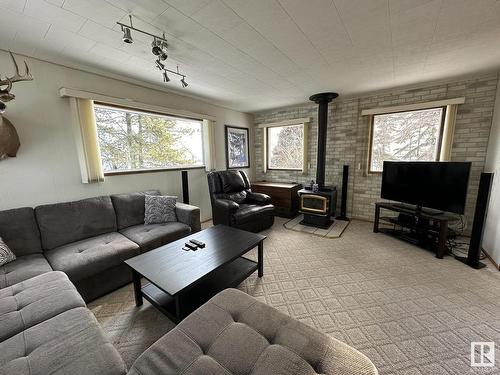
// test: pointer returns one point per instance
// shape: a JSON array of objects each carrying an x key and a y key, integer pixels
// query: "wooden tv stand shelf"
[{"x": 423, "y": 228}]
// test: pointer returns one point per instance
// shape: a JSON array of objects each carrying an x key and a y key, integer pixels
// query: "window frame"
[
  {"x": 154, "y": 113},
  {"x": 371, "y": 137},
  {"x": 268, "y": 151}
]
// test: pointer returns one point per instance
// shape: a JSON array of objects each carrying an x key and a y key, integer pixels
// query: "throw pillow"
[
  {"x": 6, "y": 254},
  {"x": 159, "y": 209}
]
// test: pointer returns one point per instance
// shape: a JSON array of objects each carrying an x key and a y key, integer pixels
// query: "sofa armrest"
[
  {"x": 259, "y": 198},
  {"x": 223, "y": 210},
  {"x": 189, "y": 215},
  {"x": 227, "y": 205}
]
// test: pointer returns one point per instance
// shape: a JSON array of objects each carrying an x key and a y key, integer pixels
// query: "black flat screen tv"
[{"x": 438, "y": 185}]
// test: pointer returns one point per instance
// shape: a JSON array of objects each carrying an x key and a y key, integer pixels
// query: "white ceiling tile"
[
  {"x": 58, "y": 3},
  {"x": 98, "y": 11},
  {"x": 217, "y": 17},
  {"x": 61, "y": 38},
  {"x": 188, "y": 7},
  {"x": 321, "y": 24},
  {"x": 54, "y": 15},
  {"x": 97, "y": 32},
  {"x": 144, "y": 9},
  {"x": 396, "y": 6},
  {"x": 416, "y": 25},
  {"x": 16, "y": 5}
]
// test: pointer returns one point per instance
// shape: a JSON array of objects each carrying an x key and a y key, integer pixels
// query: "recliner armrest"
[
  {"x": 189, "y": 215},
  {"x": 259, "y": 198},
  {"x": 227, "y": 204}
]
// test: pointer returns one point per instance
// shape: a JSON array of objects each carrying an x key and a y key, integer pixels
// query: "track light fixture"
[
  {"x": 156, "y": 50},
  {"x": 159, "y": 48},
  {"x": 127, "y": 35},
  {"x": 163, "y": 56},
  {"x": 159, "y": 64}
]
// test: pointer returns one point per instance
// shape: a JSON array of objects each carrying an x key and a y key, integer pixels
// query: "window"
[
  {"x": 285, "y": 147},
  {"x": 132, "y": 140},
  {"x": 406, "y": 136}
]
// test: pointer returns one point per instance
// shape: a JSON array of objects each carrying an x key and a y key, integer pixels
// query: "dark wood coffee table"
[{"x": 181, "y": 281}]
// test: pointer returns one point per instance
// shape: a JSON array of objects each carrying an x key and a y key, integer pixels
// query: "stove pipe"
[{"x": 322, "y": 100}]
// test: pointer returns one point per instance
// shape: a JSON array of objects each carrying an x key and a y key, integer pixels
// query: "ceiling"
[{"x": 251, "y": 55}]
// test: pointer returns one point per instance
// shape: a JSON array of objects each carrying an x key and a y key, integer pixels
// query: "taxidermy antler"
[
  {"x": 5, "y": 94},
  {"x": 9, "y": 140}
]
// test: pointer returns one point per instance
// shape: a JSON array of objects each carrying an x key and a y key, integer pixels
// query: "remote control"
[
  {"x": 198, "y": 243},
  {"x": 191, "y": 246},
  {"x": 186, "y": 249}
]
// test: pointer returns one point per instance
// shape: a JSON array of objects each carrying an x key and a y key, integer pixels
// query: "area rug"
[
  {"x": 334, "y": 231},
  {"x": 409, "y": 312}
]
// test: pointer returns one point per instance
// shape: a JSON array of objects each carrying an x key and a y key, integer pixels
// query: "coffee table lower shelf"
[{"x": 179, "y": 306}]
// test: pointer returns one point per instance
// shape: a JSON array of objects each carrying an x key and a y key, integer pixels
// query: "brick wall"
[{"x": 348, "y": 137}]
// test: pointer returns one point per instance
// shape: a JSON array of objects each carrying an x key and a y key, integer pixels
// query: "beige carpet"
[
  {"x": 335, "y": 230},
  {"x": 409, "y": 312}
]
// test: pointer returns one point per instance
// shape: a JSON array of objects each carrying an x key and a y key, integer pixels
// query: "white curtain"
[
  {"x": 87, "y": 141},
  {"x": 448, "y": 132},
  {"x": 209, "y": 145}
]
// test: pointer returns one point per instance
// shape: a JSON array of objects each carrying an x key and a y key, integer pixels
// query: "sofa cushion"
[
  {"x": 19, "y": 230},
  {"x": 30, "y": 302},
  {"x": 64, "y": 223},
  {"x": 129, "y": 208},
  {"x": 149, "y": 237},
  {"x": 251, "y": 212},
  {"x": 234, "y": 333},
  {"x": 159, "y": 209},
  {"x": 6, "y": 254},
  {"x": 82, "y": 259},
  {"x": 69, "y": 343},
  {"x": 22, "y": 269}
]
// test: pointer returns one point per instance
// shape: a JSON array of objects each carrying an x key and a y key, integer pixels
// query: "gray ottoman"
[{"x": 234, "y": 333}]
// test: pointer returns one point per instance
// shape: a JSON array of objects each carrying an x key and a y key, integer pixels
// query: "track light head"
[
  {"x": 156, "y": 50},
  {"x": 159, "y": 64},
  {"x": 183, "y": 82},
  {"x": 166, "y": 78},
  {"x": 127, "y": 36},
  {"x": 163, "y": 56}
]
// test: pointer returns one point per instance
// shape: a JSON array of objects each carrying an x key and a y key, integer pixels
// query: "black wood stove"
[{"x": 318, "y": 207}]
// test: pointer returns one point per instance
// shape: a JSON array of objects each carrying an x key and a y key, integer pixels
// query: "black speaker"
[
  {"x": 185, "y": 187},
  {"x": 343, "y": 202},
  {"x": 483, "y": 196}
]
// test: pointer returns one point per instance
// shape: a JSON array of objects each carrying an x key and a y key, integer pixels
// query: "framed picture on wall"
[{"x": 237, "y": 147}]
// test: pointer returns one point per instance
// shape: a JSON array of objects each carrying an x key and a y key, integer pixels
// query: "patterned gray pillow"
[
  {"x": 6, "y": 255},
  {"x": 159, "y": 209}
]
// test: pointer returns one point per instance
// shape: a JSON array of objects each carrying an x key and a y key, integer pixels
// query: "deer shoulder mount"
[{"x": 9, "y": 140}]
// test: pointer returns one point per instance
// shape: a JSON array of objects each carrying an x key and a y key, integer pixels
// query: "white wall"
[
  {"x": 46, "y": 169},
  {"x": 491, "y": 237}
]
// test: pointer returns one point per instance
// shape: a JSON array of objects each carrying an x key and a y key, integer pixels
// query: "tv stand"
[
  {"x": 417, "y": 209},
  {"x": 417, "y": 226}
]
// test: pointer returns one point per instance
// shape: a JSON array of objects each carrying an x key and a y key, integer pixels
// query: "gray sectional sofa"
[
  {"x": 68, "y": 254},
  {"x": 88, "y": 239}
]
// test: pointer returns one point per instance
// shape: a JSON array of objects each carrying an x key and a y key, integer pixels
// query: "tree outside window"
[
  {"x": 406, "y": 136},
  {"x": 285, "y": 147},
  {"x": 131, "y": 140}
]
